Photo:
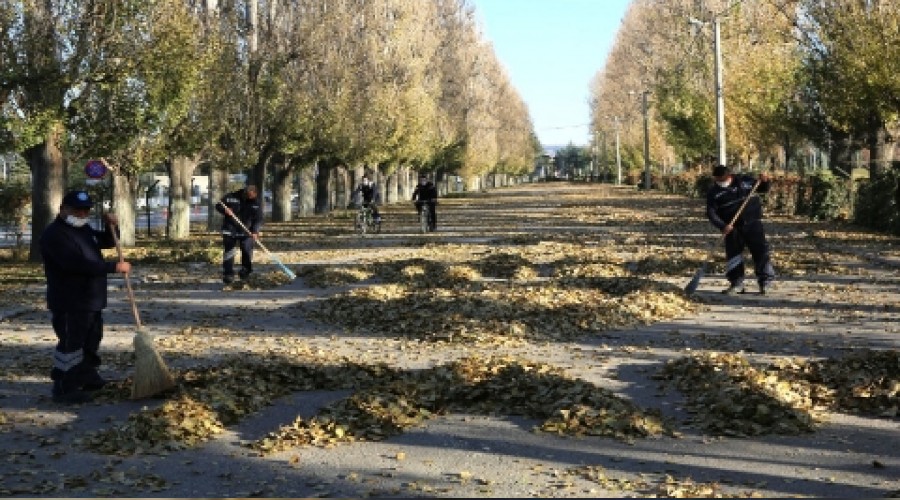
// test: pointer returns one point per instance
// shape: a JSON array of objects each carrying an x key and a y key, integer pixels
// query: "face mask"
[
  {"x": 724, "y": 184},
  {"x": 77, "y": 221}
]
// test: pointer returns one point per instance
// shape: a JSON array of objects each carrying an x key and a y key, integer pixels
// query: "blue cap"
[{"x": 77, "y": 199}]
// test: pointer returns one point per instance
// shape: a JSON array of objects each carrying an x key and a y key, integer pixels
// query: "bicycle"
[
  {"x": 365, "y": 222},
  {"x": 425, "y": 223}
]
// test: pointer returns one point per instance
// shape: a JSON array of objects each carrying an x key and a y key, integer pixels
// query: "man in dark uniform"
[
  {"x": 76, "y": 295},
  {"x": 368, "y": 191},
  {"x": 243, "y": 204},
  {"x": 723, "y": 200},
  {"x": 426, "y": 192}
]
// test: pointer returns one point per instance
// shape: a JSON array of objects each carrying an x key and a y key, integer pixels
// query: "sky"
[{"x": 551, "y": 50}]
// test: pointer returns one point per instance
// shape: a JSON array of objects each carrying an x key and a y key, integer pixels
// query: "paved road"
[{"x": 842, "y": 303}]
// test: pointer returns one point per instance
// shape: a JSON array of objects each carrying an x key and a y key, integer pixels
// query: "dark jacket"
[
  {"x": 425, "y": 192},
  {"x": 723, "y": 203},
  {"x": 368, "y": 192},
  {"x": 247, "y": 210},
  {"x": 75, "y": 269}
]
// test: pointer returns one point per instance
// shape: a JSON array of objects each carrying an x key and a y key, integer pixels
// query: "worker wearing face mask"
[
  {"x": 76, "y": 295},
  {"x": 723, "y": 200}
]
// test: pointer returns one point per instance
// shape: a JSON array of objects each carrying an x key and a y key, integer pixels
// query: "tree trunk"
[
  {"x": 352, "y": 178},
  {"x": 342, "y": 189},
  {"x": 282, "y": 174},
  {"x": 257, "y": 177},
  {"x": 48, "y": 183},
  {"x": 880, "y": 152},
  {"x": 306, "y": 190},
  {"x": 123, "y": 205},
  {"x": 181, "y": 168},
  {"x": 391, "y": 187},
  {"x": 406, "y": 181},
  {"x": 323, "y": 191},
  {"x": 840, "y": 155},
  {"x": 218, "y": 188}
]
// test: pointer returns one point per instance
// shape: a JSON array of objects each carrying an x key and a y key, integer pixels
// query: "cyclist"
[
  {"x": 426, "y": 192},
  {"x": 368, "y": 193}
]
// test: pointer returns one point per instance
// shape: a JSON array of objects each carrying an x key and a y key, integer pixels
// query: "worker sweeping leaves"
[
  {"x": 76, "y": 295},
  {"x": 724, "y": 199},
  {"x": 240, "y": 207}
]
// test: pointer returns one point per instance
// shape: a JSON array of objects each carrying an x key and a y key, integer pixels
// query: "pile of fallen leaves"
[
  {"x": 201, "y": 247},
  {"x": 730, "y": 396},
  {"x": 386, "y": 402},
  {"x": 327, "y": 276},
  {"x": 865, "y": 382},
  {"x": 492, "y": 386},
  {"x": 568, "y": 406},
  {"x": 488, "y": 312},
  {"x": 666, "y": 486},
  {"x": 210, "y": 398},
  {"x": 727, "y": 395}
]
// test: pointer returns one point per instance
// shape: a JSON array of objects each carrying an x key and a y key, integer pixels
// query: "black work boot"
[
  {"x": 69, "y": 396},
  {"x": 93, "y": 381}
]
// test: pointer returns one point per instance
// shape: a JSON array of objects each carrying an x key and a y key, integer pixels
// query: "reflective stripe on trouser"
[
  {"x": 231, "y": 244},
  {"x": 749, "y": 235},
  {"x": 75, "y": 357}
]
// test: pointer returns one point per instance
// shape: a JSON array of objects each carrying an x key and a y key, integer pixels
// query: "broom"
[
  {"x": 290, "y": 274},
  {"x": 695, "y": 281},
  {"x": 151, "y": 375}
]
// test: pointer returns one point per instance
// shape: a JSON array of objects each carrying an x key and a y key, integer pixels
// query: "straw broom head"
[{"x": 151, "y": 375}]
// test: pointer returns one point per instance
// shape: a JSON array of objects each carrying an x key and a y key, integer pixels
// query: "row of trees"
[
  {"x": 798, "y": 74},
  {"x": 274, "y": 86}
]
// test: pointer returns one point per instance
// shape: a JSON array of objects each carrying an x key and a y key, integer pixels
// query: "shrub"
[
  {"x": 15, "y": 200},
  {"x": 823, "y": 196},
  {"x": 878, "y": 202}
]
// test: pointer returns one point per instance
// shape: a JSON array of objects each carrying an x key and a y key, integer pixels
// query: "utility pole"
[
  {"x": 618, "y": 156},
  {"x": 646, "y": 139},
  {"x": 720, "y": 92},
  {"x": 605, "y": 158}
]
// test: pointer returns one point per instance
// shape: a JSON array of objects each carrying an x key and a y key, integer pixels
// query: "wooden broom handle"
[
  {"x": 244, "y": 227},
  {"x": 744, "y": 204},
  {"x": 134, "y": 309}
]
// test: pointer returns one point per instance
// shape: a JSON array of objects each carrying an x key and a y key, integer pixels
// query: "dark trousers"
[
  {"x": 748, "y": 235},
  {"x": 431, "y": 212},
  {"x": 75, "y": 359},
  {"x": 230, "y": 244},
  {"x": 373, "y": 207}
]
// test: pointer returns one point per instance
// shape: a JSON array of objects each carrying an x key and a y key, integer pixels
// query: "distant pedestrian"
[
  {"x": 76, "y": 295},
  {"x": 723, "y": 200},
  {"x": 426, "y": 192},
  {"x": 243, "y": 204}
]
